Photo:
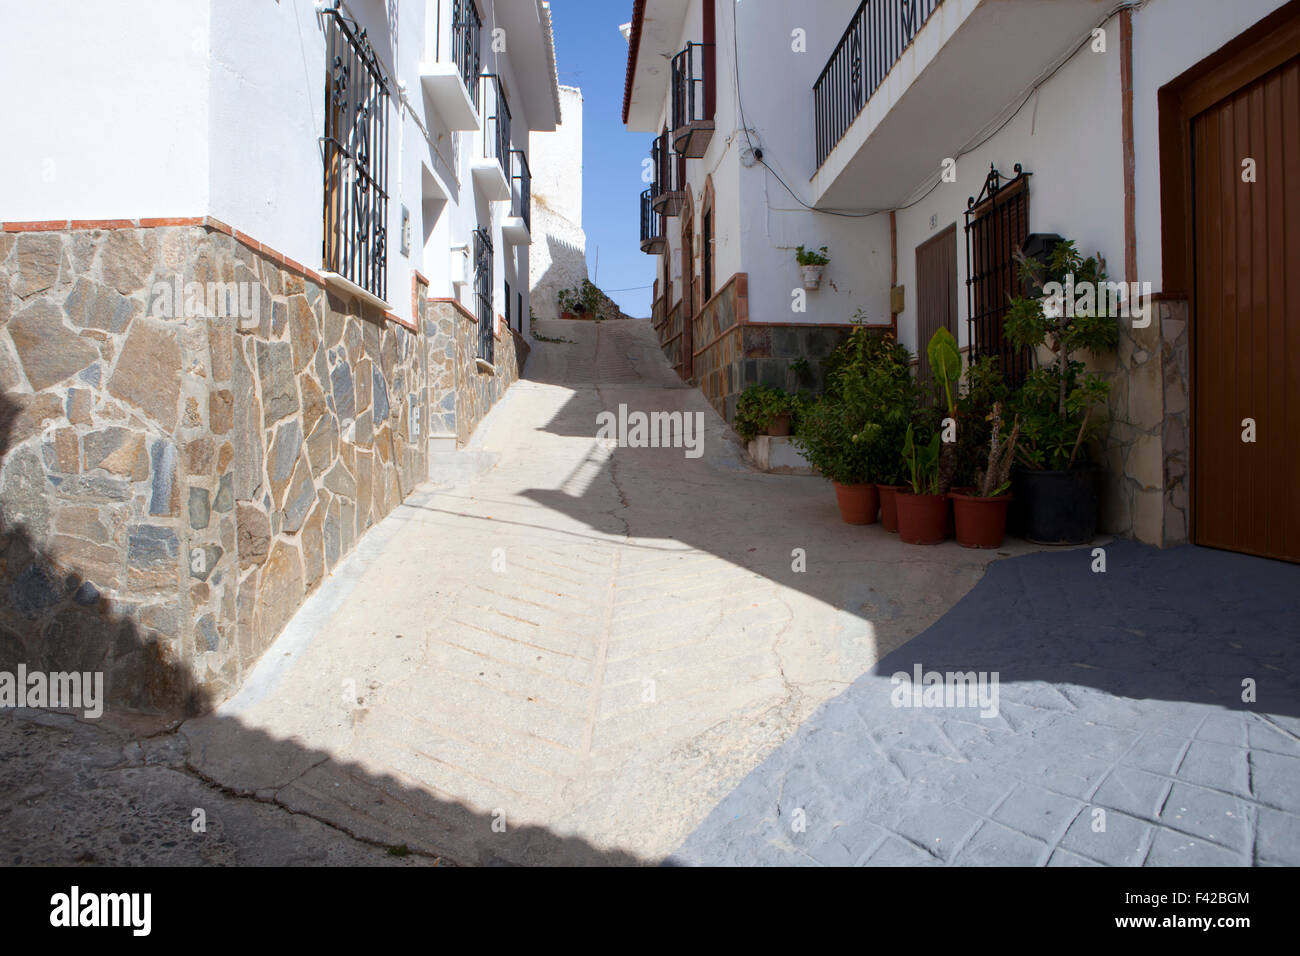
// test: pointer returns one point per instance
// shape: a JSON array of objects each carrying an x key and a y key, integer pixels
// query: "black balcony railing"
[
  {"x": 522, "y": 189},
  {"x": 355, "y": 152},
  {"x": 689, "y": 100},
  {"x": 667, "y": 190},
  {"x": 878, "y": 34},
  {"x": 652, "y": 235},
  {"x": 483, "y": 293},
  {"x": 496, "y": 132},
  {"x": 465, "y": 28}
]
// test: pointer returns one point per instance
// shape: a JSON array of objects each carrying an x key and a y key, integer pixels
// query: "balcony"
[
  {"x": 652, "y": 235},
  {"x": 517, "y": 227},
  {"x": 894, "y": 100},
  {"x": 491, "y": 170},
  {"x": 692, "y": 100},
  {"x": 668, "y": 191},
  {"x": 451, "y": 82}
]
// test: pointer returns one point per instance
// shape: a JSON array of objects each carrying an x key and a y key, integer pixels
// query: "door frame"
[{"x": 1269, "y": 44}]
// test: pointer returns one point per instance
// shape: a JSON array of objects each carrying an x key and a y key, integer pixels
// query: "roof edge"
[{"x": 634, "y": 47}]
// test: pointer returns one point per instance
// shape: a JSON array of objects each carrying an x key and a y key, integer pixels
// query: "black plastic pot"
[{"x": 1055, "y": 507}]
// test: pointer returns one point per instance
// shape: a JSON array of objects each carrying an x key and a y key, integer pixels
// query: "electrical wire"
[{"x": 758, "y": 153}]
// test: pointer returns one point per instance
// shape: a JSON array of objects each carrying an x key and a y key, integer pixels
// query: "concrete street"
[{"x": 570, "y": 652}]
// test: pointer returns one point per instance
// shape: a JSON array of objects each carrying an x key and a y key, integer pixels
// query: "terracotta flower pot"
[
  {"x": 566, "y": 315},
  {"x": 858, "y": 503},
  {"x": 888, "y": 509},
  {"x": 780, "y": 426},
  {"x": 950, "y": 521},
  {"x": 921, "y": 518},
  {"x": 981, "y": 522}
]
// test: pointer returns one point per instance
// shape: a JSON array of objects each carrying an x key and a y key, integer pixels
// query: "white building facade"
[
  {"x": 924, "y": 141},
  {"x": 260, "y": 264}
]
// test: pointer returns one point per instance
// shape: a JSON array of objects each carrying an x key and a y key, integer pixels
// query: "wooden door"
[
  {"x": 688, "y": 299},
  {"x": 936, "y": 293},
  {"x": 1246, "y": 324}
]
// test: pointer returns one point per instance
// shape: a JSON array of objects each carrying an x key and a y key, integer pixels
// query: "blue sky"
[{"x": 592, "y": 55}]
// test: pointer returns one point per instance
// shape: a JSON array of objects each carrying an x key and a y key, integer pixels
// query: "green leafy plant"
[
  {"x": 1056, "y": 402},
  {"x": 758, "y": 407},
  {"x": 945, "y": 366},
  {"x": 922, "y": 463},
  {"x": 811, "y": 257},
  {"x": 854, "y": 431}
]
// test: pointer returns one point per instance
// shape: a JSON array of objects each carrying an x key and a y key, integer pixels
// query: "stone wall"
[
  {"x": 467, "y": 392},
  {"x": 1145, "y": 439},
  {"x": 174, "y": 483}
]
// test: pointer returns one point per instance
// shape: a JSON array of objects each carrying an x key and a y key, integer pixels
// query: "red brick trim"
[
  {"x": 397, "y": 319},
  {"x": 172, "y": 221},
  {"x": 459, "y": 308},
  {"x": 48, "y": 225}
]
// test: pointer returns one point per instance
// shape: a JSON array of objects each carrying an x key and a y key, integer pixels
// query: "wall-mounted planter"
[{"x": 812, "y": 276}]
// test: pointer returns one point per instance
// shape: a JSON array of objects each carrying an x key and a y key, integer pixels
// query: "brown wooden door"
[
  {"x": 1246, "y": 325},
  {"x": 936, "y": 293}
]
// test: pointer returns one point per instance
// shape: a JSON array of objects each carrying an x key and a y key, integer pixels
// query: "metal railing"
[
  {"x": 651, "y": 233},
  {"x": 483, "y": 293},
  {"x": 355, "y": 152},
  {"x": 669, "y": 169},
  {"x": 466, "y": 25},
  {"x": 496, "y": 132},
  {"x": 522, "y": 196},
  {"x": 689, "y": 95},
  {"x": 877, "y": 35}
]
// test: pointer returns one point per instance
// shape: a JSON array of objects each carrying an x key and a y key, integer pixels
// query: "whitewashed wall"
[{"x": 106, "y": 116}]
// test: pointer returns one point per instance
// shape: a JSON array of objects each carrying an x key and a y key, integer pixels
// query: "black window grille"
[
  {"x": 496, "y": 132},
  {"x": 997, "y": 224},
  {"x": 877, "y": 35},
  {"x": 483, "y": 293},
  {"x": 355, "y": 148},
  {"x": 522, "y": 192},
  {"x": 465, "y": 28},
  {"x": 519, "y": 310},
  {"x": 508, "y": 317},
  {"x": 706, "y": 252}
]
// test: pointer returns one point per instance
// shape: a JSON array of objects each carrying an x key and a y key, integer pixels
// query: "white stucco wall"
[
  {"x": 107, "y": 114},
  {"x": 557, "y": 259}
]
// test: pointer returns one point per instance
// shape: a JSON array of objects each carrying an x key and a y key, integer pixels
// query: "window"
[
  {"x": 519, "y": 310},
  {"x": 465, "y": 26},
  {"x": 483, "y": 293},
  {"x": 706, "y": 252},
  {"x": 997, "y": 224},
  {"x": 508, "y": 325},
  {"x": 356, "y": 158}
]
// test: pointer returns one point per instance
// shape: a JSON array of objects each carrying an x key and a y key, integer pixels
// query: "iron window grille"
[
  {"x": 877, "y": 35},
  {"x": 496, "y": 133},
  {"x": 706, "y": 252},
  {"x": 483, "y": 293},
  {"x": 997, "y": 224},
  {"x": 466, "y": 25},
  {"x": 523, "y": 194},
  {"x": 355, "y": 154}
]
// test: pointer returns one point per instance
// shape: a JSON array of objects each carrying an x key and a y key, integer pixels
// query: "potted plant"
[
  {"x": 812, "y": 263},
  {"x": 840, "y": 447},
  {"x": 922, "y": 507},
  {"x": 980, "y": 516},
  {"x": 1056, "y": 490},
  {"x": 763, "y": 409}
]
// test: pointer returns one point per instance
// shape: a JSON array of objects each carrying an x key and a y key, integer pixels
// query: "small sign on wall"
[
  {"x": 896, "y": 299},
  {"x": 406, "y": 231}
]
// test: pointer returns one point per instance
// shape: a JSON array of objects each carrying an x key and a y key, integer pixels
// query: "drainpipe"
[
  {"x": 893, "y": 269},
  {"x": 1126, "y": 112}
]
